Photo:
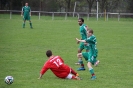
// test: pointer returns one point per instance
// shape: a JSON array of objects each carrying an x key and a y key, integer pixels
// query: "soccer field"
[{"x": 22, "y": 53}]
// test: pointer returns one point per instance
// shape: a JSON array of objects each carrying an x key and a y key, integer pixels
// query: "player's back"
[{"x": 57, "y": 66}]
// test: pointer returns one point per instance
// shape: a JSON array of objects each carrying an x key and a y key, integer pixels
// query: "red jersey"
[{"x": 57, "y": 66}]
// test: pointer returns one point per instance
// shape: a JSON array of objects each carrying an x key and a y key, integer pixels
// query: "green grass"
[{"x": 22, "y": 52}]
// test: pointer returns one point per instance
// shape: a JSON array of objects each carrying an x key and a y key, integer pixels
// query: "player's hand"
[
  {"x": 77, "y": 39},
  {"x": 39, "y": 78},
  {"x": 78, "y": 42}
]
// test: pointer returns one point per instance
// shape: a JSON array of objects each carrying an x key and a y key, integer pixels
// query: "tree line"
[{"x": 68, "y": 5}]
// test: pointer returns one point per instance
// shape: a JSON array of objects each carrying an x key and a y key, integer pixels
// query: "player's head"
[
  {"x": 26, "y": 4},
  {"x": 49, "y": 53},
  {"x": 80, "y": 21},
  {"x": 90, "y": 32}
]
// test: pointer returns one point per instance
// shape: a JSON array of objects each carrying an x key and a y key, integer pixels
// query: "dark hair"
[
  {"x": 49, "y": 53},
  {"x": 81, "y": 19},
  {"x": 90, "y": 31}
]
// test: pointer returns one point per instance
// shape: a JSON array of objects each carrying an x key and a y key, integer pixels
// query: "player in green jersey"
[
  {"x": 83, "y": 32},
  {"x": 92, "y": 54},
  {"x": 26, "y": 13}
]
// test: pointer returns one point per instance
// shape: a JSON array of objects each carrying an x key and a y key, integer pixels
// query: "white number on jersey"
[{"x": 58, "y": 62}]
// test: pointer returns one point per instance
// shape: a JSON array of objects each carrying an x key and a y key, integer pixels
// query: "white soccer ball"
[{"x": 8, "y": 80}]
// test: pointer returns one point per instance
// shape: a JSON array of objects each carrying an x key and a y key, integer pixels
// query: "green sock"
[
  {"x": 31, "y": 25},
  {"x": 23, "y": 25},
  {"x": 91, "y": 71},
  {"x": 81, "y": 63}
]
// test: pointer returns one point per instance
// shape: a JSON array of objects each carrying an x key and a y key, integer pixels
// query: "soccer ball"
[{"x": 8, "y": 80}]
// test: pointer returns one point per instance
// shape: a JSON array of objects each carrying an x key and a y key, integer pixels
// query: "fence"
[{"x": 73, "y": 14}]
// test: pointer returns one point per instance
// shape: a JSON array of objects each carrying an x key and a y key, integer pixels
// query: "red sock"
[
  {"x": 73, "y": 72},
  {"x": 93, "y": 74},
  {"x": 82, "y": 65}
]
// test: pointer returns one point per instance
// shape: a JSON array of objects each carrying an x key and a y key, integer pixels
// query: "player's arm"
[
  {"x": 80, "y": 40},
  {"x": 22, "y": 12},
  {"x": 86, "y": 28},
  {"x": 30, "y": 12},
  {"x": 44, "y": 69}
]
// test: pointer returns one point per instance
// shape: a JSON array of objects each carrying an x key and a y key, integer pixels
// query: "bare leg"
[
  {"x": 80, "y": 61},
  {"x": 79, "y": 51}
]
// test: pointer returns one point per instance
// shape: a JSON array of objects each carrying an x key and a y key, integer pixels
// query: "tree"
[
  {"x": 90, "y": 4},
  {"x": 68, "y": 3},
  {"x": 103, "y": 5},
  {"x": 6, "y": 4},
  {"x": 130, "y": 6},
  {"x": 41, "y": 4},
  {"x": 61, "y": 4},
  {"x": 112, "y": 5},
  {"x": 109, "y": 5}
]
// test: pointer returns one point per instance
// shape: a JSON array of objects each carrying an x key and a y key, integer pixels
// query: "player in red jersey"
[{"x": 57, "y": 66}]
